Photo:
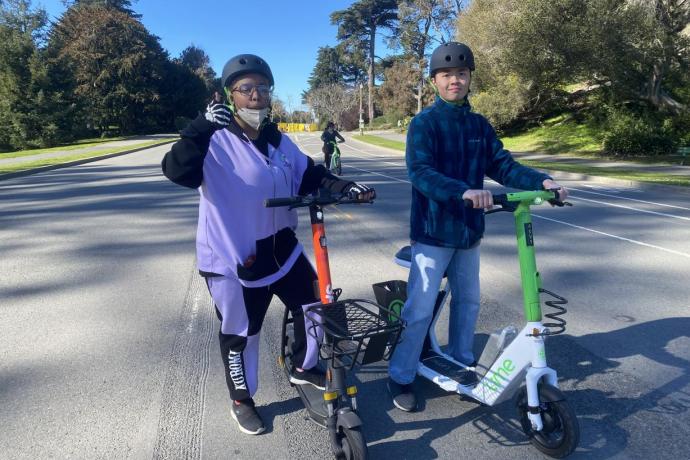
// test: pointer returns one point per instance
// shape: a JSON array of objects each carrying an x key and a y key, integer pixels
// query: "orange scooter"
[{"x": 349, "y": 332}]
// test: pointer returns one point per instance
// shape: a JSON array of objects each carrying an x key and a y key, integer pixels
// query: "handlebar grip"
[
  {"x": 556, "y": 193},
  {"x": 280, "y": 202}
]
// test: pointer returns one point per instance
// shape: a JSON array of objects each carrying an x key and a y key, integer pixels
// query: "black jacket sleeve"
[
  {"x": 317, "y": 176},
  {"x": 183, "y": 164},
  {"x": 337, "y": 134}
]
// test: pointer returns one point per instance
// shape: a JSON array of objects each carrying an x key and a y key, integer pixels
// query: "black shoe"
[
  {"x": 314, "y": 376},
  {"x": 468, "y": 378},
  {"x": 247, "y": 418},
  {"x": 403, "y": 396}
]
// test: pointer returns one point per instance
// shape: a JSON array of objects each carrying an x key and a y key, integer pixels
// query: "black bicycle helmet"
[
  {"x": 243, "y": 64},
  {"x": 451, "y": 55}
]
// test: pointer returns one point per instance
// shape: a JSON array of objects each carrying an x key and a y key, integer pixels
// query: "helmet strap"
[{"x": 228, "y": 95}]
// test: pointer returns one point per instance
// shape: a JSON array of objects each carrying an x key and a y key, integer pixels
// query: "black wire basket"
[{"x": 354, "y": 332}]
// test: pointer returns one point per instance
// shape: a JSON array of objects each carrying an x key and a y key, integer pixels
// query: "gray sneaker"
[
  {"x": 314, "y": 376},
  {"x": 247, "y": 418},
  {"x": 403, "y": 396}
]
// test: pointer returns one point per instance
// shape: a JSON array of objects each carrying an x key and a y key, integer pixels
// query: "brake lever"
[
  {"x": 496, "y": 209},
  {"x": 559, "y": 203}
]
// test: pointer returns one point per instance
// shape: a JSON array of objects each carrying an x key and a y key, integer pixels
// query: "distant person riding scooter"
[{"x": 330, "y": 138}]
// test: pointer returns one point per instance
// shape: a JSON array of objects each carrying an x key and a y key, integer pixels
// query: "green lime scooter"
[{"x": 510, "y": 357}]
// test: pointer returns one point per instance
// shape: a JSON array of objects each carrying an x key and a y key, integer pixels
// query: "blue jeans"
[{"x": 426, "y": 273}]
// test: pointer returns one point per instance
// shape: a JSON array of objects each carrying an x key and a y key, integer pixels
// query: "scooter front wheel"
[
  {"x": 353, "y": 444},
  {"x": 561, "y": 432}
]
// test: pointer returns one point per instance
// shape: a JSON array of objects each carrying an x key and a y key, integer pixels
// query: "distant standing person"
[{"x": 329, "y": 135}]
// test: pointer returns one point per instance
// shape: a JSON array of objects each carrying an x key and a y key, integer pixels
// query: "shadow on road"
[{"x": 604, "y": 398}]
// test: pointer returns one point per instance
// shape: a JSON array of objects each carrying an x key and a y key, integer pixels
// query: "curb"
[
  {"x": 646, "y": 186},
  {"x": 28, "y": 172}
]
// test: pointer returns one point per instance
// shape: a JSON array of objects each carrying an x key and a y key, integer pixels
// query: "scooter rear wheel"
[
  {"x": 353, "y": 444},
  {"x": 561, "y": 432}
]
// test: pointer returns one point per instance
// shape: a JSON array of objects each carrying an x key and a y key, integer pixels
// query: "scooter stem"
[
  {"x": 320, "y": 244},
  {"x": 531, "y": 282}
]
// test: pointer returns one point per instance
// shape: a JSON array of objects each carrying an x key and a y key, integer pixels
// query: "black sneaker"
[
  {"x": 314, "y": 376},
  {"x": 247, "y": 418},
  {"x": 468, "y": 378},
  {"x": 403, "y": 396}
]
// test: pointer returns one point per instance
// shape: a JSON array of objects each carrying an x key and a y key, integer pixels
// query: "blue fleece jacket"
[{"x": 449, "y": 150}]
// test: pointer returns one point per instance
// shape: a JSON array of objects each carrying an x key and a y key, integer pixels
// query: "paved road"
[
  {"x": 108, "y": 346},
  {"x": 106, "y": 145}
]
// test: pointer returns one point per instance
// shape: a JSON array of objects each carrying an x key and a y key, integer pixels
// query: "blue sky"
[{"x": 287, "y": 34}]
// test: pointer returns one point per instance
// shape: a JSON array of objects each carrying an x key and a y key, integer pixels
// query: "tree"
[
  {"x": 634, "y": 48},
  {"x": 670, "y": 49},
  {"x": 328, "y": 68},
  {"x": 196, "y": 60},
  {"x": 34, "y": 105},
  {"x": 331, "y": 101},
  {"x": 182, "y": 94},
  {"x": 118, "y": 67},
  {"x": 341, "y": 64},
  {"x": 397, "y": 93},
  {"x": 278, "y": 111},
  {"x": 422, "y": 22},
  {"x": 358, "y": 26},
  {"x": 124, "y": 6}
]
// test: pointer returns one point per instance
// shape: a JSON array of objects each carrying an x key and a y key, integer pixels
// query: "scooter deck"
[
  {"x": 311, "y": 397},
  {"x": 448, "y": 369}
]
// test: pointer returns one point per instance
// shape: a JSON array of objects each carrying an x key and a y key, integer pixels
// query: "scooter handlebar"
[
  {"x": 300, "y": 201},
  {"x": 509, "y": 201},
  {"x": 280, "y": 202}
]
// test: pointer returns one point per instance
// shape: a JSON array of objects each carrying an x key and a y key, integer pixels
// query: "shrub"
[
  {"x": 502, "y": 103},
  {"x": 181, "y": 122},
  {"x": 680, "y": 126},
  {"x": 638, "y": 135}
]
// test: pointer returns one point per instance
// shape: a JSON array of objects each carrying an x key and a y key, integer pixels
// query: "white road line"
[
  {"x": 631, "y": 208},
  {"x": 673, "y": 216},
  {"x": 640, "y": 243},
  {"x": 671, "y": 251},
  {"x": 596, "y": 193},
  {"x": 630, "y": 199},
  {"x": 378, "y": 174},
  {"x": 363, "y": 151}
]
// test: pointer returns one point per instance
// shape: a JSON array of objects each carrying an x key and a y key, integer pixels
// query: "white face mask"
[{"x": 253, "y": 117}]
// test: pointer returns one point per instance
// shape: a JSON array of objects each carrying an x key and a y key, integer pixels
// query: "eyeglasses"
[{"x": 246, "y": 89}]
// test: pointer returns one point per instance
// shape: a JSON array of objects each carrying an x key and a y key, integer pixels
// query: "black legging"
[{"x": 327, "y": 154}]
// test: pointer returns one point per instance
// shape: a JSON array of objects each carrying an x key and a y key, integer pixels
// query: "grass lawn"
[
  {"x": 380, "y": 141},
  {"x": 617, "y": 173},
  {"x": 77, "y": 145},
  {"x": 559, "y": 136},
  {"x": 556, "y": 135},
  {"x": 9, "y": 168}
]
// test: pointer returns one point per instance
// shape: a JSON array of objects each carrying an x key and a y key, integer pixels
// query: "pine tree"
[{"x": 118, "y": 67}]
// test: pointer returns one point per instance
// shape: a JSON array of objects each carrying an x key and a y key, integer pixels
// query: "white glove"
[{"x": 218, "y": 113}]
